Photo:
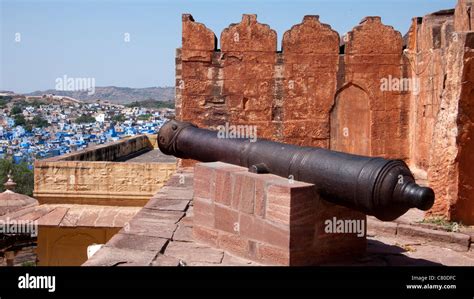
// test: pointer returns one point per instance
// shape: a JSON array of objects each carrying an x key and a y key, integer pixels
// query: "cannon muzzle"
[{"x": 375, "y": 186}]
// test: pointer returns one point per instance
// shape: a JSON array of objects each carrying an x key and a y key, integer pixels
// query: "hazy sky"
[{"x": 86, "y": 38}]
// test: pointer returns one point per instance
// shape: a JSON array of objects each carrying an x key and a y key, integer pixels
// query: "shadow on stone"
[{"x": 381, "y": 254}]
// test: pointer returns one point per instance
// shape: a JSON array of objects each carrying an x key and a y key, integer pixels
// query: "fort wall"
[
  {"x": 97, "y": 175},
  {"x": 370, "y": 92}
]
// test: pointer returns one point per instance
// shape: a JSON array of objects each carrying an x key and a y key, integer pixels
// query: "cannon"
[{"x": 375, "y": 186}]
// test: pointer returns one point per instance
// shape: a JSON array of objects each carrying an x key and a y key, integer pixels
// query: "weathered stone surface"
[
  {"x": 404, "y": 251},
  {"x": 137, "y": 242},
  {"x": 375, "y": 226},
  {"x": 193, "y": 252},
  {"x": 34, "y": 215},
  {"x": 463, "y": 17},
  {"x": 151, "y": 228},
  {"x": 164, "y": 260},
  {"x": 110, "y": 256},
  {"x": 160, "y": 216},
  {"x": 93, "y": 176},
  {"x": 174, "y": 192},
  {"x": 196, "y": 36},
  {"x": 205, "y": 235},
  {"x": 451, "y": 170},
  {"x": 451, "y": 240},
  {"x": 427, "y": 60},
  {"x": 54, "y": 217},
  {"x": 167, "y": 204},
  {"x": 248, "y": 35},
  {"x": 323, "y": 91},
  {"x": 287, "y": 228},
  {"x": 370, "y": 27},
  {"x": 230, "y": 260},
  {"x": 367, "y": 118},
  {"x": 310, "y": 63},
  {"x": 183, "y": 234}
]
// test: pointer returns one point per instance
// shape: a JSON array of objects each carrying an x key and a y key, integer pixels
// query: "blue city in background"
[{"x": 63, "y": 136}]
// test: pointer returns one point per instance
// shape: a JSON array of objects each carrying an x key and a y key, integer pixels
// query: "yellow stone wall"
[
  {"x": 63, "y": 246},
  {"x": 93, "y": 176},
  {"x": 99, "y": 183},
  {"x": 112, "y": 151}
]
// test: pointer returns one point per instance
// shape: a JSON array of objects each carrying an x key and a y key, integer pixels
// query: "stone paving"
[
  {"x": 153, "y": 156},
  {"x": 70, "y": 215},
  {"x": 161, "y": 235},
  {"x": 385, "y": 250}
]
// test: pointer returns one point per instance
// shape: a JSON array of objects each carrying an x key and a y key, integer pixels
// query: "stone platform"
[
  {"x": 270, "y": 219},
  {"x": 161, "y": 235}
]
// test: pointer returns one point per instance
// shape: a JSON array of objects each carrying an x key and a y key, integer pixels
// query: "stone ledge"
[
  {"x": 112, "y": 256},
  {"x": 455, "y": 241},
  {"x": 459, "y": 241},
  {"x": 69, "y": 215}
]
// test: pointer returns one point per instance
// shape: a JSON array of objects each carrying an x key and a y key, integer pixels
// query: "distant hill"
[
  {"x": 152, "y": 104},
  {"x": 117, "y": 95}
]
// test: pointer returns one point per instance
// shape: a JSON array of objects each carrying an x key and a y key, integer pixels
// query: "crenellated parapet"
[{"x": 371, "y": 91}]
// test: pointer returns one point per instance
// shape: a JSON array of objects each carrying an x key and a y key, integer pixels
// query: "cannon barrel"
[{"x": 375, "y": 186}]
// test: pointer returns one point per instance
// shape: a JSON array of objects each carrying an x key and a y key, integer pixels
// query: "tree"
[
  {"x": 21, "y": 175},
  {"x": 36, "y": 103},
  {"x": 133, "y": 104},
  {"x": 3, "y": 103},
  {"x": 39, "y": 122},
  {"x": 151, "y": 103},
  {"x": 119, "y": 118},
  {"x": 28, "y": 127},
  {"x": 19, "y": 120},
  {"x": 16, "y": 110},
  {"x": 84, "y": 118},
  {"x": 6, "y": 98},
  {"x": 144, "y": 117}
]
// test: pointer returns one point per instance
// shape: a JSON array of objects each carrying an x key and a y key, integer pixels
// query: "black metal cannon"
[{"x": 380, "y": 187}]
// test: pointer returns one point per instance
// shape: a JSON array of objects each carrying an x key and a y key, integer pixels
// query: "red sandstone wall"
[
  {"x": 451, "y": 170},
  {"x": 311, "y": 58},
  {"x": 248, "y": 60},
  {"x": 310, "y": 94},
  {"x": 289, "y": 96},
  {"x": 197, "y": 79},
  {"x": 464, "y": 16},
  {"x": 427, "y": 57},
  {"x": 374, "y": 52},
  {"x": 464, "y": 208}
]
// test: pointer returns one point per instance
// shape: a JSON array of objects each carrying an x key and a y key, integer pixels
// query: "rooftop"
[
  {"x": 71, "y": 215},
  {"x": 161, "y": 234},
  {"x": 11, "y": 201}
]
